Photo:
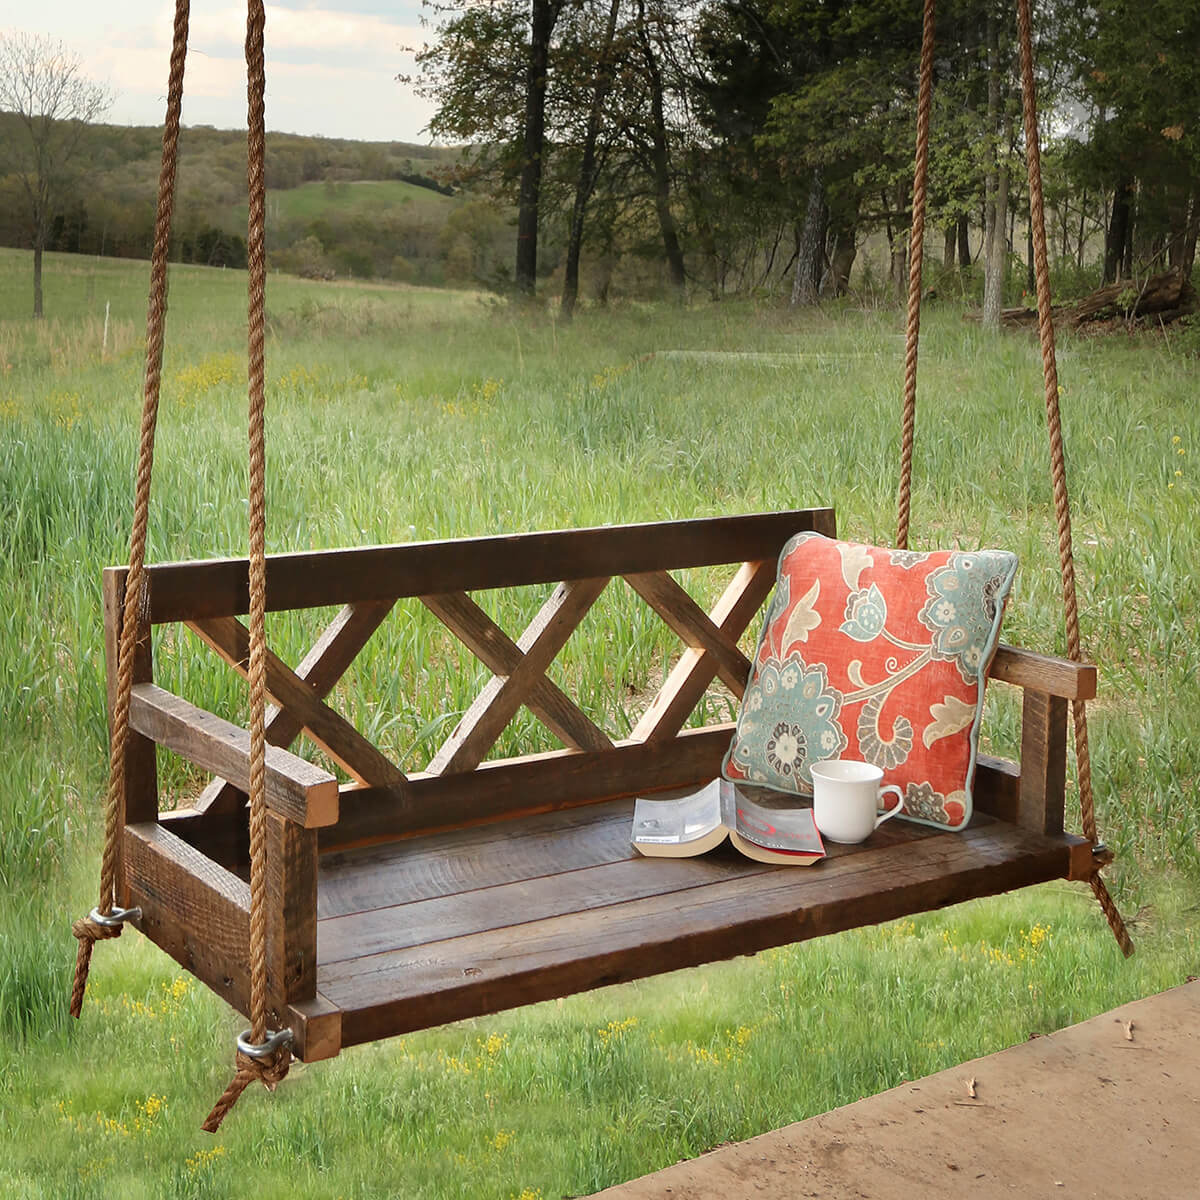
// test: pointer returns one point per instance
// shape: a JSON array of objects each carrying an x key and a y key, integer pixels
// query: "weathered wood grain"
[
  {"x": 295, "y": 788},
  {"x": 220, "y": 587},
  {"x": 193, "y": 909},
  {"x": 997, "y": 787},
  {"x": 139, "y": 798},
  {"x": 529, "y": 784},
  {"x": 693, "y": 625},
  {"x": 497, "y": 704},
  {"x": 691, "y": 675},
  {"x": 328, "y": 729},
  {"x": 322, "y": 667},
  {"x": 1043, "y": 761},
  {"x": 597, "y": 867},
  {"x": 1044, "y": 673},
  {"x": 397, "y": 991},
  {"x": 316, "y": 1027},
  {"x": 291, "y": 916},
  {"x": 501, "y": 655}
]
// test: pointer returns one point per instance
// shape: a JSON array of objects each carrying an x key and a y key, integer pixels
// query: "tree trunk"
[
  {"x": 997, "y": 253},
  {"x": 1117, "y": 236},
  {"x": 661, "y": 160},
  {"x": 807, "y": 281},
  {"x": 949, "y": 245},
  {"x": 845, "y": 250},
  {"x": 995, "y": 189},
  {"x": 964, "y": 243},
  {"x": 37, "y": 276},
  {"x": 543, "y": 16},
  {"x": 588, "y": 168}
]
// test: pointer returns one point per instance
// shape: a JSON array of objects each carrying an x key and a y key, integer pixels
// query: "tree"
[{"x": 41, "y": 81}]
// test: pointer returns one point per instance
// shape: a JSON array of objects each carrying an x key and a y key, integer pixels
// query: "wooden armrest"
[
  {"x": 1044, "y": 673},
  {"x": 295, "y": 788}
]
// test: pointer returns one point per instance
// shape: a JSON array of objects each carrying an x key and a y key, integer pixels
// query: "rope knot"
[
  {"x": 95, "y": 927},
  {"x": 93, "y": 931},
  {"x": 270, "y": 1071}
]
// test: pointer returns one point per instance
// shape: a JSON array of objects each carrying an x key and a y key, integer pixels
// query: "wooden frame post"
[
  {"x": 1043, "y": 762},
  {"x": 139, "y": 801}
]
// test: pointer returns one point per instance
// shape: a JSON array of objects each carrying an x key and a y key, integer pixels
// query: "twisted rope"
[
  {"x": 268, "y": 1071},
  {"x": 136, "y": 605},
  {"x": 916, "y": 251},
  {"x": 1058, "y": 470},
  {"x": 273, "y": 1069}
]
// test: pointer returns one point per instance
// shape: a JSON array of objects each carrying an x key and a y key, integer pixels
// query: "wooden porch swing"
[{"x": 338, "y": 914}]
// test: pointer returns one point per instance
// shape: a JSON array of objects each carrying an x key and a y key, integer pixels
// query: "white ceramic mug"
[{"x": 846, "y": 799}]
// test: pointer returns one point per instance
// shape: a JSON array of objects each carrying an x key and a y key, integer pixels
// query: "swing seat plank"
[
  {"x": 402, "y": 899},
  {"x": 560, "y": 903}
]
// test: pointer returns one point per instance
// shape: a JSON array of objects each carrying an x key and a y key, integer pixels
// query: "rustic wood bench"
[{"x": 400, "y": 900}]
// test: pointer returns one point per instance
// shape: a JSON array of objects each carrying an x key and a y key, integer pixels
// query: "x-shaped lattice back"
[{"x": 518, "y": 672}]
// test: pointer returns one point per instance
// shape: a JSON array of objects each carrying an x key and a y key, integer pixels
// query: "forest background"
[{"x": 651, "y": 148}]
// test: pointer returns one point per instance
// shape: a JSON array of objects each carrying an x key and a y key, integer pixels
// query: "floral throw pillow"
[{"x": 879, "y": 655}]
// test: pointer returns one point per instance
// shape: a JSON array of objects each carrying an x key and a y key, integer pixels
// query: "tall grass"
[{"x": 400, "y": 413}]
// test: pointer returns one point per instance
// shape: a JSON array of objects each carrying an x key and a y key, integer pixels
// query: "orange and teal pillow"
[{"x": 874, "y": 654}]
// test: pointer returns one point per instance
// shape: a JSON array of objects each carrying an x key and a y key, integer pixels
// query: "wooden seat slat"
[
  {"x": 485, "y": 856},
  {"x": 477, "y": 973},
  {"x": 592, "y": 867}
]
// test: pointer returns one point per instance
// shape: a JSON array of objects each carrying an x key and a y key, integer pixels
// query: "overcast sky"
[{"x": 331, "y": 64}]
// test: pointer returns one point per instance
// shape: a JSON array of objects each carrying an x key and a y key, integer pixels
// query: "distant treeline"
[{"x": 107, "y": 204}]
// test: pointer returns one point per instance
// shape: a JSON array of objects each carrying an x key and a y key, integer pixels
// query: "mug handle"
[{"x": 891, "y": 812}]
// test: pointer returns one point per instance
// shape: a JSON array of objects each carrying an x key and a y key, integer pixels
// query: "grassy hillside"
[
  {"x": 398, "y": 413},
  {"x": 370, "y": 198},
  {"x": 369, "y": 204}
]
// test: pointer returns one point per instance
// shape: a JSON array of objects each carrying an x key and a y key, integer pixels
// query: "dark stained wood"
[
  {"x": 535, "y": 783},
  {"x": 483, "y": 856},
  {"x": 503, "y": 695},
  {"x": 1058, "y": 676},
  {"x": 291, "y": 909},
  {"x": 322, "y": 667},
  {"x": 193, "y": 909},
  {"x": 1043, "y": 761},
  {"x": 316, "y": 1027},
  {"x": 328, "y": 729},
  {"x": 501, "y": 655},
  {"x": 473, "y": 974},
  {"x": 596, "y": 866},
  {"x": 691, "y": 675},
  {"x": 997, "y": 787},
  {"x": 139, "y": 800},
  {"x": 226, "y": 841},
  {"x": 220, "y": 588},
  {"x": 294, "y": 787},
  {"x": 693, "y": 625}
]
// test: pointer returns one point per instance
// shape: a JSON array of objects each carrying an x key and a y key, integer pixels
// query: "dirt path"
[{"x": 1101, "y": 1109}]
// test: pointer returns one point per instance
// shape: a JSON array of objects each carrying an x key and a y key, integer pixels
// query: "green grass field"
[
  {"x": 374, "y": 199},
  {"x": 398, "y": 413}
]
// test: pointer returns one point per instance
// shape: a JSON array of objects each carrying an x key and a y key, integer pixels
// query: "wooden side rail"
[
  {"x": 295, "y": 788},
  {"x": 1044, "y": 673}
]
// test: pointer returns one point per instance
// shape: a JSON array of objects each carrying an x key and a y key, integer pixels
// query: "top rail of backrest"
[{"x": 187, "y": 591}]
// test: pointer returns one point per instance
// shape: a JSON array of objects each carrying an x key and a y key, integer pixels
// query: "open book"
[{"x": 764, "y": 825}]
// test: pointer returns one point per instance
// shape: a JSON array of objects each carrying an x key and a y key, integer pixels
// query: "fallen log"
[
  {"x": 1159, "y": 295},
  {"x": 1164, "y": 298}
]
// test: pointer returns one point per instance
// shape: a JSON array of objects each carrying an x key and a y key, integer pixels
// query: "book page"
[
  {"x": 677, "y": 817},
  {"x": 775, "y": 820}
]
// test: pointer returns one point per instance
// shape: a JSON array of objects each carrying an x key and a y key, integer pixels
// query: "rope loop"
[{"x": 269, "y": 1071}]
